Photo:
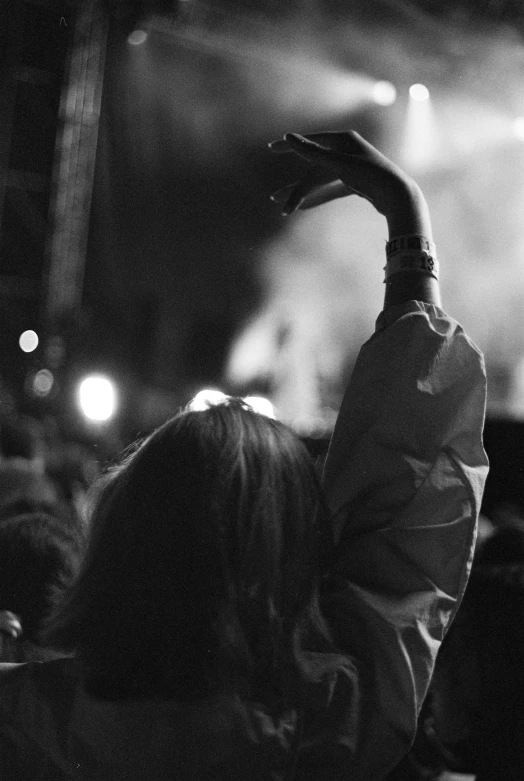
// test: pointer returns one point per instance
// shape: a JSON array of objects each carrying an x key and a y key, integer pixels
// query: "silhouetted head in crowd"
[
  {"x": 203, "y": 563},
  {"x": 39, "y": 557},
  {"x": 18, "y": 437},
  {"x": 25, "y": 488},
  {"x": 40, "y": 470}
]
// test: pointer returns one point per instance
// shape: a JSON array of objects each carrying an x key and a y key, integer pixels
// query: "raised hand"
[{"x": 346, "y": 164}]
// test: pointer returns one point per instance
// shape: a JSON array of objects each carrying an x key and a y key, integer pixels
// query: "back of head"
[
  {"x": 39, "y": 557},
  {"x": 19, "y": 435},
  {"x": 24, "y": 488},
  {"x": 205, "y": 549}
]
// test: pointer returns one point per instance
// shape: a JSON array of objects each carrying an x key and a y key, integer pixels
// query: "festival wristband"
[
  {"x": 410, "y": 243},
  {"x": 418, "y": 262}
]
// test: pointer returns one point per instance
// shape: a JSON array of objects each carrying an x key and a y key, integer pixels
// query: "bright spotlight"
[
  {"x": 137, "y": 37},
  {"x": 420, "y": 143},
  {"x": 419, "y": 92},
  {"x": 28, "y": 341},
  {"x": 518, "y": 128},
  {"x": 384, "y": 93},
  {"x": 97, "y": 398},
  {"x": 261, "y": 405}
]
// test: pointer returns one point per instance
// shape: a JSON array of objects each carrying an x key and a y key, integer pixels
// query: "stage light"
[
  {"x": 419, "y": 92},
  {"x": 43, "y": 382},
  {"x": 97, "y": 398},
  {"x": 261, "y": 405},
  {"x": 518, "y": 128},
  {"x": 420, "y": 142},
  {"x": 384, "y": 93},
  {"x": 137, "y": 37},
  {"x": 28, "y": 341}
]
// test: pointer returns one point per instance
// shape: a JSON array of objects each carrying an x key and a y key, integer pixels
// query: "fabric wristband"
[
  {"x": 418, "y": 262},
  {"x": 409, "y": 243}
]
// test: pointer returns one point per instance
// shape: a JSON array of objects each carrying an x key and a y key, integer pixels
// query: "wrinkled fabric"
[{"x": 404, "y": 477}]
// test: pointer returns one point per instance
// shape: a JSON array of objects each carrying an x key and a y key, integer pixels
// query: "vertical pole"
[{"x": 75, "y": 164}]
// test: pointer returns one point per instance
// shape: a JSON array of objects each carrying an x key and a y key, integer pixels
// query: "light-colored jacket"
[{"x": 404, "y": 478}]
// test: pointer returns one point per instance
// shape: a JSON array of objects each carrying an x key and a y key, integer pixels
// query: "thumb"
[{"x": 10, "y": 623}]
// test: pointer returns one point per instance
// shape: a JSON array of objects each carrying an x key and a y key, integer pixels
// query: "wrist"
[
  {"x": 412, "y": 268},
  {"x": 412, "y": 287},
  {"x": 409, "y": 213}
]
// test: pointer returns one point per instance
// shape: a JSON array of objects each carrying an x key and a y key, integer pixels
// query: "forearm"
[{"x": 409, "y": 215}]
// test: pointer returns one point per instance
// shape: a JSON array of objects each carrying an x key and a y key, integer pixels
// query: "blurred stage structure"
[
  {"x": 51, "y": 90},
  {"x": 76, "y": 147},
  {"x": 34, "y": 43},
  {"x": 136, "y": 234}
]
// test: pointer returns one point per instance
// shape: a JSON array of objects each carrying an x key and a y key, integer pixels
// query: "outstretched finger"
[
  {"x": 361, "y": 174},
  {"x": 349, "y": 142},
  {"x": 280, "y": 146},
  {"x": 333, "y": 141},
  {"x": 314, "y": 152}
]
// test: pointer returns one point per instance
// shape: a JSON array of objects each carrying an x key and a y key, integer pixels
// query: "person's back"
[{"x": 228, "y": 624}]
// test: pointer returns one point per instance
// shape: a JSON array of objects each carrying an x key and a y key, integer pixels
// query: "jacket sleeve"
[{"x": 404, "y": 478}]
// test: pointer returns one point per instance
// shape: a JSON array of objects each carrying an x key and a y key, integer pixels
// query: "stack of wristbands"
[{"x": 411, "y": 253}]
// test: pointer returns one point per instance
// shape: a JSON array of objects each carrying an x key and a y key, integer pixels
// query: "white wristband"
[
  {"x": 409, "y": 243},
  {"x": 418, "y": 262}
]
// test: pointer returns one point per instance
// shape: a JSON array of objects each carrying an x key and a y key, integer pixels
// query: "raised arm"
[
  {"x": 350, "y": 165},
  {"x": 406, "y": 466}
]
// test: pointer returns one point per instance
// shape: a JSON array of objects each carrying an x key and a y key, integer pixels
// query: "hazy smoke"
[{"x": 324, "y": 277}]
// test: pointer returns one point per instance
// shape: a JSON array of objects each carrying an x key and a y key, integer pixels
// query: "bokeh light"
[
  {"x": 518, "y": 128},
  {"x": 209, "y": 397},
  {"x": 420, "y": 144},
  {"x": 97, "y": 398},
  {"x": 384, "y": 93},
  {"x": 137, "y": 37},
  {"x": 28, "y": 341},
  {"x": 261, "y": 405},
  {"x": 419, "y": 92},
  {"x": 43, "y": 382},
  {"x": 206, "y": 398}
]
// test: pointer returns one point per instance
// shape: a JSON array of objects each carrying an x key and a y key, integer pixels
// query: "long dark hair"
[{"x": 202, "y": 570}]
